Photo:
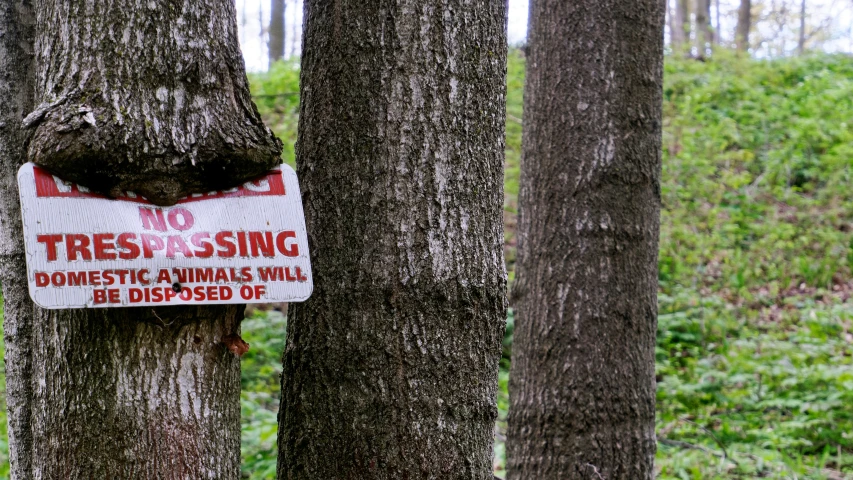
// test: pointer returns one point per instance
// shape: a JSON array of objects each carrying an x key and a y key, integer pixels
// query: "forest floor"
[{"x": 755, "y": 339}]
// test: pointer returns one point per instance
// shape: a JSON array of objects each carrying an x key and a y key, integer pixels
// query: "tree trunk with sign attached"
[
  {"x": 582, "y": 384},
  {"x": 390, "y": 369},
  {"x": 150, "y": 97}
]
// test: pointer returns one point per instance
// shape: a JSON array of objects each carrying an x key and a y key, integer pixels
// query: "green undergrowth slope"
[{"x": 754, "y": 346}]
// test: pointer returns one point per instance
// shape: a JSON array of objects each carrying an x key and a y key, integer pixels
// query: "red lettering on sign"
[
  {"x": 129, "y": 250},
  {"x": 75, "y": 279},
  {"x": 225, "y": 292},
  {"x": 77, "y": 243},
  {"x": 246, "y": 274},
  {"x": 150, "y": 244},
  {"x": 280, "y": 242},
  {"x": 241, "y": 243},
  {"x": 186, "y": 217},
  {"x": 48, "y": 185},
  {"x": 50, "y": 242},
  {"x": 102, "y": 247},
  {"x": 229, "y": 248},
  {"x": 175, "y": 244},
  {"x": 202, "y": 240},
  {"x": 261, "y": 243},
  {"x": 152, "y": 219}
]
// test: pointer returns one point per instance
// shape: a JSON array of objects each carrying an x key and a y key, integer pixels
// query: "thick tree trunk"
[
  {"x": 16, "y": 63},
  {"x": 131, "y": 91},
  {"x": 744, "y": 19},
  {"x": 277, "y": 40},
  {"x": 152, "y": 97},
  {"x": 390, "y": 370},
  {"x": 582, "y": 384}
]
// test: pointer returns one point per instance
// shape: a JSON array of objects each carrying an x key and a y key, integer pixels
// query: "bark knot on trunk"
[{"x": 144, "y": 98}]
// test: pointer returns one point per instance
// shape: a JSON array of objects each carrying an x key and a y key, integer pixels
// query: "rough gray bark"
[
  {"x": 277, "y": 40},
  {"x": 131, "y": 91},
  {"x": 744, "y": 19},
  {"x": 136, "y": 393},
  {"x": 16, "y": 65},
  {"x": 582, "y": 384},
  {"x": 390, "y": 370},
  {"x": 152, "y": 97}
]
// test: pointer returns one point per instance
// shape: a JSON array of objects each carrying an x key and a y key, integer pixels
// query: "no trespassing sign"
[{"x": 244, "y": 245}]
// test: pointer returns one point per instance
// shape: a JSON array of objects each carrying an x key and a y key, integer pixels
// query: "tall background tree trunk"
[
  {"x": 681, "y": 31},
  {"x": 704, "y": 31},
  {"x": 801, "y": 43},
  {"x": 582, "y": 384},
  {"x": 390, "y": 369},
  {"x": 277, "y": 37},
  {"x": 718, "y": 39},
  {"x": 744, "y": 19},
  {"x": 16, "y": 63},
  {"x": 148, "y": 96}
]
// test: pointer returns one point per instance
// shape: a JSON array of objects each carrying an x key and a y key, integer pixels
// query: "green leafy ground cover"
[{"x": 755, "y": 345}]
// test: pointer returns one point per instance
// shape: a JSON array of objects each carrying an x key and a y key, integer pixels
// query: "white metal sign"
[{"x": 244, "y": 245}]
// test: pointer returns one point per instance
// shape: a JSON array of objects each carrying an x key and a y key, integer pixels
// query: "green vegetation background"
[{"x": 755, "y": 341}]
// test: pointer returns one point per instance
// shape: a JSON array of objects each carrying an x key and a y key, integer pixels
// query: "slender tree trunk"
[
  {"x": 277, "y": 37},
  {"x": 744, "y": 19},
  {"x": 717, "y": 27},
  {"x": 681, "y": 31},
  {"x": 296, "y": 34},
  {"x": 582, "y": 384},
  {"x": 801, "y": 44},
  {"x": 16, "y": 82},
  {"x": 151, "y": 97},
  {"x": 390, "y": 370},
  {"x": 704, "y": 32}
]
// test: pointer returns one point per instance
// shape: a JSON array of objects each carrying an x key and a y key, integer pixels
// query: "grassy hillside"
[
  {"x": 755, "y": 345},
  {"x": 754, "y": 349}
]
